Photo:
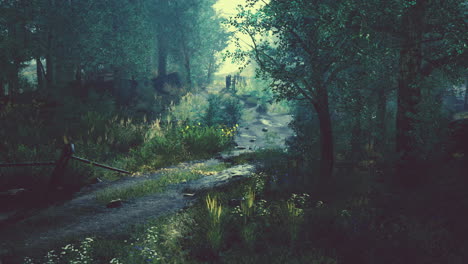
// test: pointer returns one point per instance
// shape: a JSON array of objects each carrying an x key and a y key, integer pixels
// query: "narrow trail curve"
[{"x": 83, "y": 216}]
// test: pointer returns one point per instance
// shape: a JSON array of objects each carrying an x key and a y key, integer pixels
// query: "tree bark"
[
  {"x": 162, "y": 42},
  {"x": 210, "y": 70},
  {"x": 2, "y": 88},
  {"x": 466, "y": 93},
  {"x": 14, "y": 83},
  {"x": 326, "y": 136},
  {"x": 162, "y": 55},
  {"x": 381, "y": 135},
  {"x": 188, "y": 71},
  {"x": 409, "y": 92},
  {"x": 50, "y": 61},
  {"x": 40, "y": 74},
  {"x": 356, "y": 134}
]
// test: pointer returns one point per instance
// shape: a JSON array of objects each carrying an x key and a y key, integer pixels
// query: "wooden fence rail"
[{"x": 67, "y": 153}]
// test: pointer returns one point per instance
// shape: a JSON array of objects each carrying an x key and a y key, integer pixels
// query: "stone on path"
[{"x": 115, "y": 203}]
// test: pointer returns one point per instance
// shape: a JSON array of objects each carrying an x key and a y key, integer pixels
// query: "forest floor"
[{"x": 84, "y": 216}]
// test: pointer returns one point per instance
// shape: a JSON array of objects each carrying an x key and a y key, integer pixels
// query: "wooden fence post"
[
  {"x": 228, "y": 82},
  {"x": 60, "y": 166}
]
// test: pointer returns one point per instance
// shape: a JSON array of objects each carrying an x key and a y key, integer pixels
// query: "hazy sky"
[{"x": 227, "y": 8}]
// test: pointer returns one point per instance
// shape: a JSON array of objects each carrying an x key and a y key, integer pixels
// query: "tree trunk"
[
  {"x": 409, "y": 92},
  {"x": 381, "y": 118},
  {"x": 326, "y": 136},
  {"x": 50, "y": 61},
  {"x": 210, "y": 71},
  {"x": 14, "y": 87},
  {"x": 356, "y": 134},
  {"x": 162, "y": 55},
  {"x": 40, "y": 74},
  {"x": 466, "y": 93},
  {"x": 162, "y": 43},
  {"x": 2, "y": 88},
  {"x": 188, "y": 71}
]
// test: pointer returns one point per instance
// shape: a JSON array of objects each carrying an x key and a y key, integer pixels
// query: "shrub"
[
  {"x": 177, "y": 142},
  {"x": 191, "y": 109},
  {"x": 223, "y": 110}
]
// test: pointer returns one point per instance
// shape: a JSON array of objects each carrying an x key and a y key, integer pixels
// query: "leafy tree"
[
  {"x": 194, "y": 34},
  {"x": 15, "y": 42},
  {"x": 430, "y": 36},
  {"x": 466, "y": 94},
  {"x": 303, "y": 46}
]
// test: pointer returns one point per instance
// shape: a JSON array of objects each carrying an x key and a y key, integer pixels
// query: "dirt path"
[{"x": 83, "y": 216}]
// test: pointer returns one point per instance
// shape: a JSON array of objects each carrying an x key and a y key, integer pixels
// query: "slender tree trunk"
[
  {"x": 326, "y": 136},
  {"x": 356, "y": 134},
  {"x": 380, "y": 137},
  {"x": 82, "y": 89},
  {"x": 162, "y": 43},
  {"x": 409, "y": 92},
  {"x": 14, "y": 87},
  {"x": 50, "y": 61},
  {"x": 2, "y": 88},
  {"x": 188, "y": 71},
  {"x": 466, "y": 93},
  {"x": 40, "y": 74},
  {"x": 162, "y": 55},
  {"x": 210, "y": 71}
]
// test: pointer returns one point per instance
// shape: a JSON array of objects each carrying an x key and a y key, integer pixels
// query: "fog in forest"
[{"x": 233, "y": 131}]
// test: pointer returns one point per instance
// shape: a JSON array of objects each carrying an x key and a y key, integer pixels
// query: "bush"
[
  {"x": 191, "y": 109},
  {"x": 223, "y": 110},
  {"x": 177, "y": 142}
]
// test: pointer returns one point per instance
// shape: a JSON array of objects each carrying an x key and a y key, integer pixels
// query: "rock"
[
  {"x": 235, "y": 202},
  {"x": 115, "y": 203},
  {"x": 189, "y": 194},
  {"x": 240, "y": 147},
  {"x": 95, "y": 181},
  {"x": 266, "y": 122},
  {"x": 252, "y": 140},
  {"x": 246, "y": 128},
  {"x": 12, "y": 193},
  {"x": 265, "y": 129}
]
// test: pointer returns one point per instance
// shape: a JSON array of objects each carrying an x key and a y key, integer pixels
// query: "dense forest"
[{"x": 247, "y": 131}]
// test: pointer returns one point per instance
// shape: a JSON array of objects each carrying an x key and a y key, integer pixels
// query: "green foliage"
[
  {"x": 215, "y": 213},
  {"x": 306, "y": 141},
  {"x": 284, "y": 227},
  {"x": 223, "y": 110},
  {"x": 103, "y": 134},
  {"x": 178, "y": 142},
  {"x": 68, "y": 254},
  {"x": 191, "y": 108}
]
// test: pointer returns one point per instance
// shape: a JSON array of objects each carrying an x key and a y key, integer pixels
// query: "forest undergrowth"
[{"x": 276, "y": 217}]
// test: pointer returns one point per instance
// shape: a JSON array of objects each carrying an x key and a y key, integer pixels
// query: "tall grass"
[
  {"x": 215, "y": 233},
  {"x": 33, "y": 131},
  {"x": 176, "y": 142}
]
